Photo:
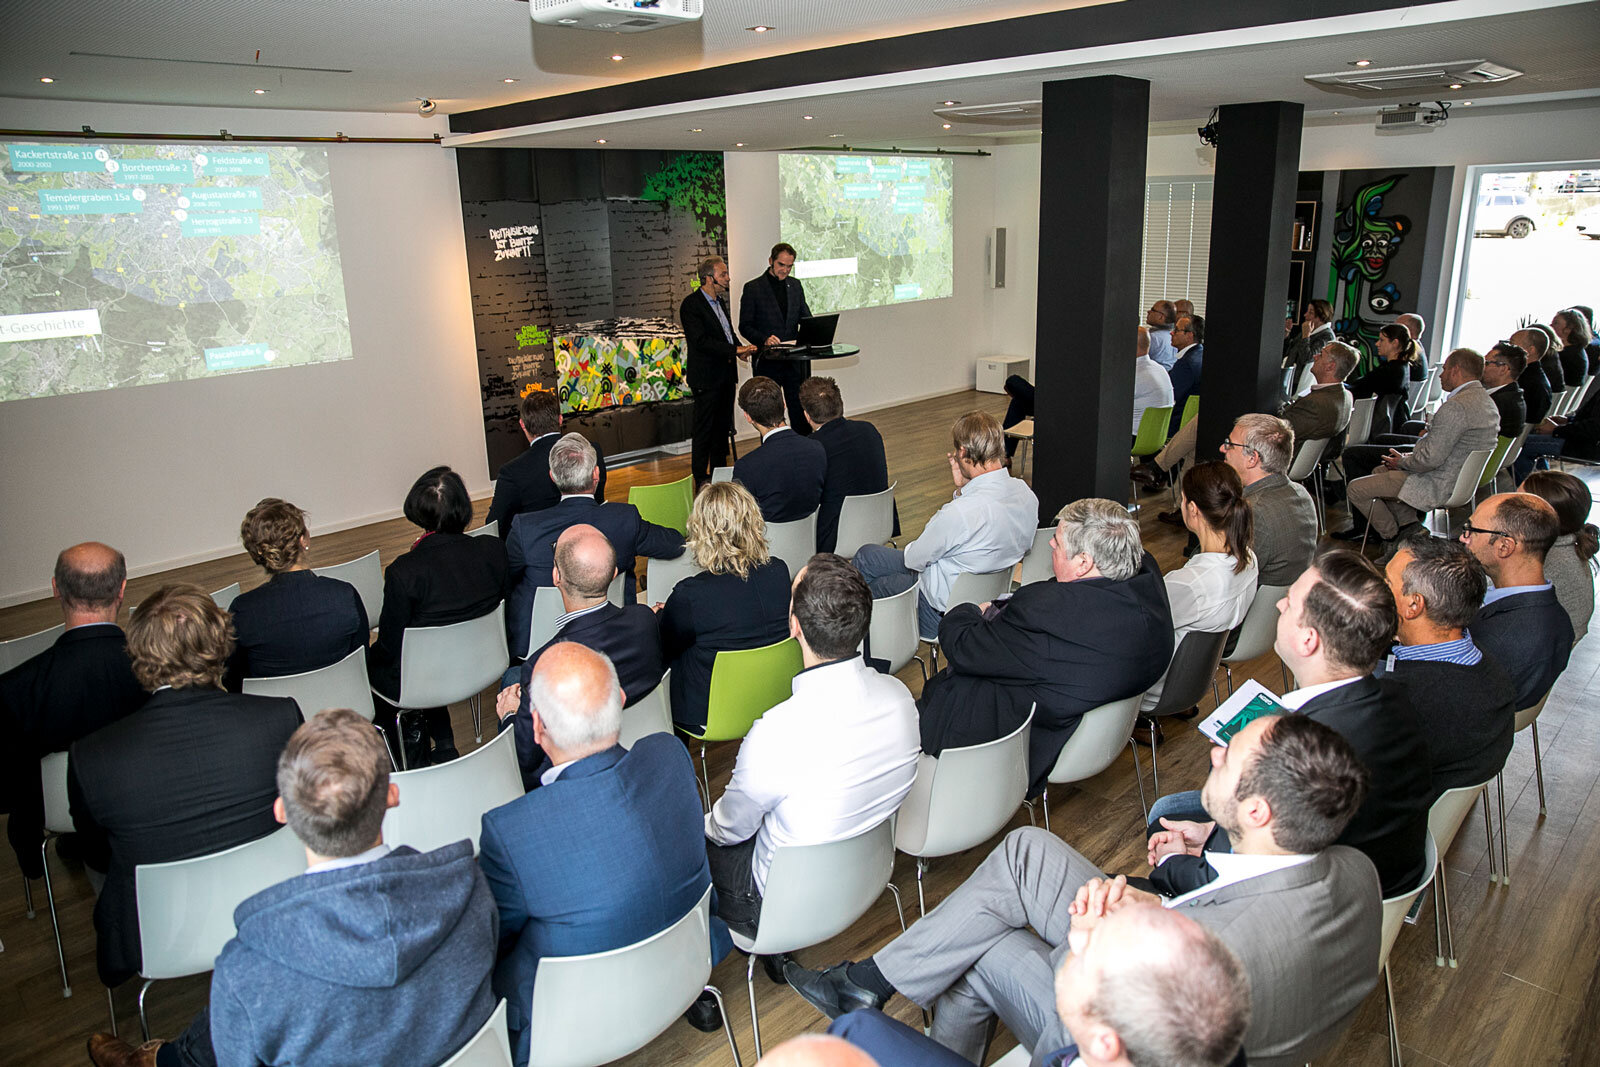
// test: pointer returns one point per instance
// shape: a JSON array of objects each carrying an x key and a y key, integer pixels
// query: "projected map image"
[
  {"x": 869, "y": 230},
  {"x": 127, "y": 265}
]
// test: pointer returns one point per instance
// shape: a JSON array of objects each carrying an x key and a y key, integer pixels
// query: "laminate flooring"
[{"x": 1527, "y": 988}]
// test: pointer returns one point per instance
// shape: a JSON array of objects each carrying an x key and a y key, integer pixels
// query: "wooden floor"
[{"x": 1527, "y": 990}]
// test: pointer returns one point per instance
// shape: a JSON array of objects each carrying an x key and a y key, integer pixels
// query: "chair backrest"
[
  {"x": 1383, "y": 414},
  {"x": 666, "y": 504},
  {"x": 793, "y": 542},
  {"x": 1152, "y": 433},
  {"x": 446, "y": 802},
  {"x": 1307, "y": 458},
  {"x": 1361, "y": 412},
  {"x": 815, "y": 892},
  {"x": 978, "y": 587},
  {"x": 892, "y": 632},
  {"x": 1304, "y": 381},
  {"x": 19, "y": 650},
  {"x": 339, "y": 685},
  {"x": 1421, "y": 394},
  {"x": 1558, "y": 403},
  {"x": 57, "y": 810},
  {"x": 722, "y": 474},
  {"x": 1525, "y": 717},
  {"x": 1036, "y": 564},
  {"x": 1189, "y": 674},
  {"x": 186, "y": 906},
  {"x": 488, "y": 529},
  {"x": 489, "y": 1047},
  {"x": 1450, "y": 811},
  {"x": 1191, "y": 408},
  {"x": 964, "y": 796},
  {"x": 1260, "y": 626},
  {"x": 1396, "y": 907},
  {"x": 865, "y": 519},
  {"x": 366, "y": 574},
  {"x": 440, "y": 665},
  {"x": 660, "y": 575},
  {"x": 1492, "y": 468},
  {"x": 224, "y": 596},
  {"x": 597, "y": 1008},
  {"x": 1467, "y": 479},
  {"x": 1514, "y": 453},
  {"x": 745, "y": 683},
  {"x": 547, "y": 608},
  {"x": 1101, "y": 735},
  {"x": 650, "y": 715}
]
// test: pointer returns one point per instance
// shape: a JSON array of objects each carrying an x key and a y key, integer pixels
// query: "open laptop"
[{"x": 816, "y": 331}]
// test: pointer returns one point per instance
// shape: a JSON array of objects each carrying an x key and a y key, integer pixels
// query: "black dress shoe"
[
  {"x": 774, "y": 966},
  {"x": 1171, "y": 518},
  {"x": 831, "y": 991},
  {"x": 704, "y": 1015},
  {"x": 1355, "y": 533}
]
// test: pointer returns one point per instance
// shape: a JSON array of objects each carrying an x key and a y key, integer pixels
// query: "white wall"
[{"x": 166, "y": 472}]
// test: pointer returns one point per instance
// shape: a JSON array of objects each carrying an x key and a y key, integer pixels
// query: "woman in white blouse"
[{"x": 1211, "y": 592}]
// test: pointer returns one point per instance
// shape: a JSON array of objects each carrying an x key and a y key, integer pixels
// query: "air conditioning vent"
[
  {"x": 1428, "y": 76},
  {"x": 1011, "y": 113}
]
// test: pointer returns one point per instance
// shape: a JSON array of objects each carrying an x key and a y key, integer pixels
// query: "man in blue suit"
[
  {"x": 1188, "y": 337},
  {"x": 530, "y": 550},
  {"x": 770, "y": 310},
  {"x": 607, "y": 852},
  {"x": 786, "y": 473},
  {"x": 854, "y": 449}
]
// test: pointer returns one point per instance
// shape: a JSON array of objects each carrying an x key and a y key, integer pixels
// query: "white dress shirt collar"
[
  {"x": 1299, "y": 698},
  {"x": 769, "y": 433},
  {"x": 555, "y": 772},
  {"x": 1233, "y": 867},
  {"x": 376, "y": 852}
]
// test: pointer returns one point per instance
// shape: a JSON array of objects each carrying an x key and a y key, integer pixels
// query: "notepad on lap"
[{"x": 1248, "y": 703}]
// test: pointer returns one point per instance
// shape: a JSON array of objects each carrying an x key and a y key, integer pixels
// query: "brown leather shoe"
[
  {"x": 1149, "y": 736},
  {"x": 107, "y": 1050}
]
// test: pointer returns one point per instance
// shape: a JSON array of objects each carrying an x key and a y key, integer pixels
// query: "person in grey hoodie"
[{"x": 374, "y": 955}]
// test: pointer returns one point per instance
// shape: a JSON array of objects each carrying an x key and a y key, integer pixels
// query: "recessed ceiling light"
[
  {"x": 617, "y": 59},
  {"x": 951, "y": 103},
  {"x": 1363, "y": 63},
  {"x": 947, "y": 125},
  {"x": 808, "y": 118},
  {"x": 1455, "y": 85},
  {"x": 738, "y": 144},
  {"x": 697, "y": 130},
  {"x": 47, "y": 81},
  {"x": 835, "y": 135},
  {"x": 509, "y": 81},
  {"x": 758, "y": 29},
  {"x": 1466, "y": 103},
  {"x": 261, "y": 92},
  {"x": 1338, "y": 112},
  {"x": 600, "y": 140}
]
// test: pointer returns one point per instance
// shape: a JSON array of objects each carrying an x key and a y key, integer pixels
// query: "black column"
[
  {"x": 1091, "y": 225},
  {"x": 1252, "y": 216}
]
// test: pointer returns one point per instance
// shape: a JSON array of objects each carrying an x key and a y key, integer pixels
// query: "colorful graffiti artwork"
[
  {"x": 1364, "y": 241},
  {"x": 617, "y": 367}
]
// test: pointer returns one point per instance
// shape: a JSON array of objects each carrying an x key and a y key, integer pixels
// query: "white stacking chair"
[
  {"x": 1306, "y": 466},
  {"x": 186, "y": 906},
  {"x": 865, "y": 519},
  {"x": 1036, "y": 565},
  {"x": 1444, "y": 820},
  {"x": 661, "y": 575},
  {"x": 971, "y": 587},
  {"x": 1423, "y": 395},
  {"x": 1360, "y": 428},
  {"x": 793, "y": 542},
  {"x": 1094, "y": 746},
  {"x": 1394, "y": 917},
  {"x": 1527, "y": 719},
  {"x": 961, "y": 798},
  {"x": 446, "y": 802},
  {"x": 18, "y": 650},
  {"x": 593, "y": 1009},
  {"x": 650, "y": 715},
  {"x": 892, "y": 631},
  {"x": 1193, "y": 668},
  {"x": 722, "y": 474},
  {"x": 222, "y": 597},
  {"x": 366, "y": 574},
  {"x": 1467, "y": 480},
  {"x": 547, "y": 608},
  {"x": 1561, "y": 401},
  {"x": 339, "y": 685},
  {"x": 815, "y": 892},
  {"x": 1513, "y": 453},
  {"x": 57, "y": 821},
  {"x": 1257, "y": 633},
  {"x": 440, "y": 665},
  {"x": 488, "y": 529},
  {"x": 489, "y": 1047}
]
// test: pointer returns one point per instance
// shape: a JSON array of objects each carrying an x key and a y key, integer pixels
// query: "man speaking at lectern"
[
  {"x": 712, "y": 372},
  {"x": 770, "y": 310}
]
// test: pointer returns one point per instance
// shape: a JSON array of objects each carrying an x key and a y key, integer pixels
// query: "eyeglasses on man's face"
[
  {"x": 1467, "y": 530},
  {"x": 1230, "y": 443}
]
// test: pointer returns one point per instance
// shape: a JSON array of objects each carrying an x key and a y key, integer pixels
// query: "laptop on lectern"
[{"x": 816, "y": 331}]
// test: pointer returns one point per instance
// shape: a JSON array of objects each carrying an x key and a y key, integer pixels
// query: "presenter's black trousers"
[{"x": 713, "y": 425}]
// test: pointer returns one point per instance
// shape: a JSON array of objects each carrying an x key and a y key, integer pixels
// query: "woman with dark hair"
[
  {"x": 1572, "y": 329},
  {"x": 297, "y": 621},
  {"x": 446, "y": 577},
  {"x": 1211, "y": 592},
  {"x": 1570, "y": 564},
  {"x": 1391, "y": 377}
]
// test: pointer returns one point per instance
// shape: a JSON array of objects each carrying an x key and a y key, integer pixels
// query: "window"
[{"x": 1177, "y": 242}]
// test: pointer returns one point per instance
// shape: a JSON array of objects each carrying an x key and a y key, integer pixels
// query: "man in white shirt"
[
  {"x": 987, "y": 526},
  {"x": 1152, "y": 385},
  {"x": 832, "y": 761}
]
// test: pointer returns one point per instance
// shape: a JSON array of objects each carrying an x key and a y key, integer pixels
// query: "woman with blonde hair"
[{"x": 740, "y": 598}]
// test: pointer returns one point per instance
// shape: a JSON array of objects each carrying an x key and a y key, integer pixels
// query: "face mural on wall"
[{"x": 1364, "y": 243}]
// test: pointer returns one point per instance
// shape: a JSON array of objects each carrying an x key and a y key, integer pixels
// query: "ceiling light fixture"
[
  {"x": 1455, "y": 85},
  {"x": 617, "y": 59},
  {"x": 1466, "y": 103},
  {"x": 261, "y": 92},
  {"x": 808, "y": 118},
  {"x": 509, "y": 81},
  {"x": 1362, "y": 63},
  {"x": 738, "y": 144},
  {"x": 951, "y": 103},
  {"x": 600, "y": 140},
  {"x": 759, "y": 29},
  {"x": 1338, "y": 112},
  {"x": 697, "y": 130},
  {"x": 47, "y": 81},
  {"x": 947, "y": 125}
]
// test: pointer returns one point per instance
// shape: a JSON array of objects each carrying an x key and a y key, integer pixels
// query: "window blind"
[{"x": 1177, "y": 243}]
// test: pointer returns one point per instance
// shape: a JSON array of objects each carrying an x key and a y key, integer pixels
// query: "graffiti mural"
[
  {"x": 618, "y": 363},
  {"x": 1365, "y": 241}
]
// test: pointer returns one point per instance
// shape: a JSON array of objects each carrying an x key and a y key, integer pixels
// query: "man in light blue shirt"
[{"x": 1161, "y": 317}]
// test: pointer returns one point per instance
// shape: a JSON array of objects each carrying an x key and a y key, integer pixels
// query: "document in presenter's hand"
[{"x": 1248, "y": 703}]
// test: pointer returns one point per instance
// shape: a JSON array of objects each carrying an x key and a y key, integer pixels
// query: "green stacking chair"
[
  {"x": 666, "y": 504},
  {"x": 1150, "y": 439},
  {"x": 1191, "y": 408},
  {"x": 744, "y": 684},
  {"x": 1492, "y": 471}
]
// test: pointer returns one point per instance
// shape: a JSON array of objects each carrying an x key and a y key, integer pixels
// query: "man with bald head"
[
  {"x": 629, "y": 636},
  {"x": 1415, "y": 326},
  {"x": 1542, "y": 378},
  {"x": 606, "y": 852},
  {"x": 79, "y": 684},
  {"x": 1160, "y": 319}
]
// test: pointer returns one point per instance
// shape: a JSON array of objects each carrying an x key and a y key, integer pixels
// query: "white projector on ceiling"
[{"x": 617, "y": 16}]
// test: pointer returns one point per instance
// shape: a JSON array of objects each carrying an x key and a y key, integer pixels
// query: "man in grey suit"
[
  {"x": 1394, "y": 499},
  {"x": 1304, "y": 918},
  {"x": 1259, "y": 448},
  {"x": 1325, "y": 410}
]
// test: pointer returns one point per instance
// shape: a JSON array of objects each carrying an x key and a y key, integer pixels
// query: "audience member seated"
[
  {"x": 1415, "y": 326},
  {"x": 607, "y": 852},
  {"x": 628, "y": 636},
  {"x": 1522, "y": 623},
  {"x": 190, "y": 773},
  {"x": 1284, "y": 519},
  {"x": 739, "y": 599},
  {"x": 1018, "y": 408},
  {"x": 1117, "y": 954},
  {"x": 523, "y": 483},
  {"x": 447, "y": 576},
  {"x": 1152, "y": 388},
  {"x": 1572, "y": 329},
  {"x": 1569, "y": 566},
  {"x": 1314, "y": 333},
  {"x": 1159, "y": 321},
  {"x": 1592, "y": 350},
  {"x": 1397, "y": 354},
  {"x": 1576, "y": 435},
  {"x": 1325, "y": 410},
  {"x": 296, "y": 621},
  {"x": 1464, "y": 701},
  {"x": 1188, "y": 338},
  {"x": 832, "y": 761},
  {"x": 1393, "y": 500},
  {"x": 367, "y": 933},
  {"x": 1538, "y": 390},
  {"x": 1213, "y": 590},
  {"x": 1337, "y": 621},
  {"x": 1301, "y": 914},
  {"x": 1502, "y": 368},
  {"x": 530, "y": 552},
  {"x": 986, "y": 526},
  {"x": 786, "y": 473},
  {"x": 1101, "y": 631},
  {"x": 79, "y": 684},
  {"x": 854, "y": 450}
]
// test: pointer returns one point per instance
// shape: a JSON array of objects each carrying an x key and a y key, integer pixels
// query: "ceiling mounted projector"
[{"x": 616, "y": 16}]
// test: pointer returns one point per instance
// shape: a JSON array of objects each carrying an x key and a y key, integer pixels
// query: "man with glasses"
[
  {"x": 1259, "y": 448},
  {"x": 1521, "y": 623}
]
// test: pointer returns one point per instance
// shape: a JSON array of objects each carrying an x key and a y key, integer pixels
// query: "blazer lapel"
[{"x": 1301, "y": 874}]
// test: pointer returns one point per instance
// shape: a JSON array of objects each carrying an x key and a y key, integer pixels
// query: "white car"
[
  {"x": 1503, "y": 213},
  {"x": 1588, "y": 223}
]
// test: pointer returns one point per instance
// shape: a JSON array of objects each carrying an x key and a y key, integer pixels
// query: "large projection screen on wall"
[
  {"x": 133, "y": 264},
  {"x": 868, "y": 230}
]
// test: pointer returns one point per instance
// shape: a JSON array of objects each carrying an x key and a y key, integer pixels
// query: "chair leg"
[
  {"x": 111, "y": 1007},
  {"x": 1488, "y": 838},
  {"x": 727, "y": 1027},
  {"x": 27, "y": 896},
  {"x": 898, "y": 910},
  {"x": 1538, "y": 765},
  {"x": 1228, "y": 670},
  {"x": 144, "y": 1021},
  {"x": 1285, "y": 668},
  {"x": 924, "y": 667},
  {"x": 55, "y": 921},
  {"x": 755, "y": 1016},
  {"x": 1028, "y": 805},
  {"x": 1442, "y": 905},
  {"x": 400, "y": 729},
  {"x": 387, "y": 747},
  {"x": 705, "y": 779},
  {"x": 1138, "y": 776},
  {"x": 477, "y": 717},
  {"x": 922, "y": 903},
  {"x": 1394, "y": 1028},
  {"x": 1155, "y": 770},
  {"x": 1044, "y": 802},
  {"x": 1505, "y": 849}
]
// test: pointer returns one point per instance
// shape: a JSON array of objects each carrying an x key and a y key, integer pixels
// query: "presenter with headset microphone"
[{"x": 770, "y": 310}]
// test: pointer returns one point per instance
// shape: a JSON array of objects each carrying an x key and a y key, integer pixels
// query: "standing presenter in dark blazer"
[
  {"x": 711, "y": 370},
  {"x": 770, "y": 310}
]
